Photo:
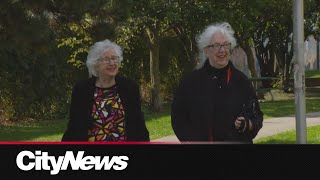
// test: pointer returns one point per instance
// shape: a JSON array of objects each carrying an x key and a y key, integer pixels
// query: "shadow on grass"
[
  {"x": 149, "y": 115},
  {"x": 287, "y": 107},
  {"x": 33, "y": 130},
  {"x": 277, "y": 141},
  {"x": 312, "y": 92}
]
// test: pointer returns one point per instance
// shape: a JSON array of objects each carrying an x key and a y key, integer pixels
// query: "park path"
[{"x": 270, "y": 127}]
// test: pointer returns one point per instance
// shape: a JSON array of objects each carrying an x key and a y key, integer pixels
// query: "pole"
[
  {"x": 318, "y": 60},
  {"x": 299, "y": 74}
]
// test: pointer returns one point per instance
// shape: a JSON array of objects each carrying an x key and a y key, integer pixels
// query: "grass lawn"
[
  {"x": 158, "y": 124},
  {"x": 284, "y": 104},
  {"x": 33, "y": 131},
  {"x": 289, "y": 137},
  {"x": 312, "y": 74}
]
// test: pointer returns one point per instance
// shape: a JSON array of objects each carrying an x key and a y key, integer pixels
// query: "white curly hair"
[
  {"x": 96, "y": 51},
  {"x": 204, "y": 39}
]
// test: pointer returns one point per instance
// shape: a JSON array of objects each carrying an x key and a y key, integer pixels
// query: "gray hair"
[
  {"x": 204, "y": 39},
  {"x": 96, "y": 51}
]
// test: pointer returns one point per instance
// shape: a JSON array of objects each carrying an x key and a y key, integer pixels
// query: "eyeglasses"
[
  {"x": 217, "y": 46},
  {"x": 113, "y": 59}
]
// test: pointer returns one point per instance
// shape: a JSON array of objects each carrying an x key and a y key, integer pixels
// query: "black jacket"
[
  {"x": 81, "y": 105},
  {"x": 205, "y": 106}
]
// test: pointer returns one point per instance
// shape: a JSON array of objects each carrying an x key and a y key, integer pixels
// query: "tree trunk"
[
  {"x": 250, "y": 58},
  {"x": 252, "y": 65},
  {"x": 154, "y": 70},
  {"x": 189, "y": 48},
  {"x": 280, "y": 59}
]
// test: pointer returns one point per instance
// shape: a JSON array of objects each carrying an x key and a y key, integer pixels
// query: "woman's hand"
[{"x": 242, "y": 124}]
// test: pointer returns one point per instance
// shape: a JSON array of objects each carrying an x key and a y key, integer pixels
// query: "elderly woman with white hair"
[
  {"x": 106, "y": 107},
  {"x": 216, "y": 102}
]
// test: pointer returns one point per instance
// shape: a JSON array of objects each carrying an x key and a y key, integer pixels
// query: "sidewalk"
[{"x": 270, "y": 126}]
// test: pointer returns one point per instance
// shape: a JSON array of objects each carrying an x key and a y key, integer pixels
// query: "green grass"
[
  {"x": 287, "y": 107},
  {"x": 312, "y": 74},
  {"x": 158, "y": 124},
  {"x": 33, "y": 130},
  {"x": 284, "y": 104},
  {"x": 289, "y": 137}
]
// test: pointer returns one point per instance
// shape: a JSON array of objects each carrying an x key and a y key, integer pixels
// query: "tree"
[
  {"x": 149, "y": 21},
  {"x": 29, "y": 72},
  {"x": 36, "y": 40}
]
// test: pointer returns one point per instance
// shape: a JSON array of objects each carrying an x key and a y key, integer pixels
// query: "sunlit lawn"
[
  {"x": 158, "y": 124},
  {"x": 312, "y": 74},
  {"x": 289, "y": 137}
]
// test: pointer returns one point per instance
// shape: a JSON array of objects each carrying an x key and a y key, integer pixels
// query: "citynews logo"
[{"x": 42, "y": 161}]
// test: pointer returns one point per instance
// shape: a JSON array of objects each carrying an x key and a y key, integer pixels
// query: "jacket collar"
[
  {"x": 92, "y": 80},
  {"x": 207, "y": 65}
]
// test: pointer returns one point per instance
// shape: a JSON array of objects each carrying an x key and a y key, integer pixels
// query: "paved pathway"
[{"x": 270, "y": 126}]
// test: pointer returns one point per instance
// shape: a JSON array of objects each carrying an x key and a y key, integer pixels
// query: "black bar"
[{"x": 182, "y": 160}]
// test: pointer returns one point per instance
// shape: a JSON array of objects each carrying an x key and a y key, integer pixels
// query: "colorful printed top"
[{"x": 108, "y": 116}]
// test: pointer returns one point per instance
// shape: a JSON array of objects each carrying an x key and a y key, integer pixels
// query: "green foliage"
[
  {"x": 43, "y": 45},
  {"x": 312, "y": 18},
  {"x": 34, "y": 75},
  {"x": 95, "y": 21},
  {"x": 78, "y": 42},
  {"x": 26, "y": 61}
]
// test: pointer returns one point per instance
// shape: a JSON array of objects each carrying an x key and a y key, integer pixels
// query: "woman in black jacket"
[
  {"x": 216, "y": 102},
  {"x": 105, "y": 107}
]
